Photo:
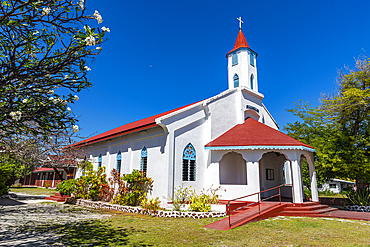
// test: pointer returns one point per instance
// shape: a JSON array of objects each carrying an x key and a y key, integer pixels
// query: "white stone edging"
[
  {"x": 139, "y": 210},
  {"x": 357, "y": 208}
]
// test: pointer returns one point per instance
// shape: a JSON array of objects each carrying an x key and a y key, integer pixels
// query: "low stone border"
[
  {"x": 159, "y": 213},
  {"x": 357, "y": 208}
]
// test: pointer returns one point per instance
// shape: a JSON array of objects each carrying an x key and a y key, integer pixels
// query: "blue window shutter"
[
  {"x": 144, "y": 161},
  {"x": 251, "y": 58},
  {"x": 99, "y": 161},
  {"x": 252, "y": 77},
  {"x": 234, "y": 59},
  {"x": 236, "y": 80},
  {"x": 119, "y": 160}
]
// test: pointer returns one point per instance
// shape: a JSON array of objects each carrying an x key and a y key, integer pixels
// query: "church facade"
[{"x": 229, "y": 140}]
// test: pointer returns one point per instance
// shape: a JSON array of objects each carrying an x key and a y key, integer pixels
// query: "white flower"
[
  {"x": 69, "y": 109},
  {"x": 24, "y": 100},
  {"x": 76, "y": 98},
  {"x": 105, "y": 29},
  {"x": 98, "y": 48},
  {"x": 51, "y": 98},
  {"x": 66, "y": 76},
  {"x": 86, "y": 28},
  {"x": 73, "y": 80},
  {"x": 48, "y": 76},
  {"x": 64, "y": 102},
  {"x": 98, "y": 17},
  {"x": 90, "y": 40},
  {"x": 75, "y": 128},
  {"x": 46, "y": 11},
  {"x": 36, "y": 32},
  {"x": 81, "y": 4},
  {"x": 87, "y": 68},
  {"x": 55, "y": 101},
  {"x": 16, "y": 115},
  {"x": 50, "y": 91}
]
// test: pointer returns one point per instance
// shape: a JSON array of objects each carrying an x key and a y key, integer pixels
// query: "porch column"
[
  {"x": 297, "y": 182},
  {"x": 314, "y": 192}
]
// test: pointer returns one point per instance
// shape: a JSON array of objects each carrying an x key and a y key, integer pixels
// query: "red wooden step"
[
  {"x": 307, "y": 212},
  {"x": 307, "y": 208}
]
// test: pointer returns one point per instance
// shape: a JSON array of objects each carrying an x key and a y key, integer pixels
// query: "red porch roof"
[
  {"x": 254, "y": 133},
  {"x": 142, "y": 124}
]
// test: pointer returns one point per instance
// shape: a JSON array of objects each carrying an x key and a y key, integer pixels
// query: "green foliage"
[
  {"x": 197, "y": 202},
  {"x": 5, "y": 172},
  {"x": 151, "y": 205},
  {"x": 47, "y": 185},
  {"x": 339, "y": 128},
  {"x": 200, "y": 202},
  {"x": 67, "y": 187},
  {"x": 327, "y": 193},
  {"x": 359, "y": 197},
  {"x": 182, "y": 195},
  {"x": 90, "y": 186},
  {"x": 307, "y": 194},
  {"x": 137, "y": 187}
]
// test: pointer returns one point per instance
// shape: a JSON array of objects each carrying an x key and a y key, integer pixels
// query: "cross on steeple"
[{"x": 240, "y": 22}]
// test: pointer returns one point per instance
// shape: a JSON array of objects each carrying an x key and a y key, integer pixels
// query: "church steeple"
[{"x": 242, "y": 67}]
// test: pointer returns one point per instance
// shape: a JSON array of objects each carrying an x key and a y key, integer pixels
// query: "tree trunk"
[
  {"x": 57, "y": 172},
  {"x": 360, "y": 185}
]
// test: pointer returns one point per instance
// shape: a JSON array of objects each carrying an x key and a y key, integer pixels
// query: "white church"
[{"x": 229, "y": 139}]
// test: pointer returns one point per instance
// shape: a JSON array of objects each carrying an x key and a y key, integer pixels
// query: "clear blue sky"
[{"x": 161, "y": 55}]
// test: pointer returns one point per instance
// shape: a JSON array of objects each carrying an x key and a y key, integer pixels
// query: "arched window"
[
  {"x": 251, "y": 58},
  {"x": 144, "y": 161},
  {"x": 189, "y": 163},
  {"x": 119, "y": 162},
  {"x": 252, "y": 79},
  {"x": 99, "y": 161},
  {"x": 236, "y": 80},
  {"x": 234, "y": 59}
]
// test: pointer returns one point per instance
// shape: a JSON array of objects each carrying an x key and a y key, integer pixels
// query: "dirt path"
[{"x": 20, "y": 217}]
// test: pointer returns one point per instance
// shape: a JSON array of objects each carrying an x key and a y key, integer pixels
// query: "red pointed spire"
[{"x": 240, "y": 42}]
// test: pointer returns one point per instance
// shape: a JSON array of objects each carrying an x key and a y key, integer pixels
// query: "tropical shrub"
[
  {"x": 182, "y": 195},
  {"x": 200, "y": 202},
  {"x": 137, "y": 187},
  {"x": 307, "y": 193},
  {"x": 115, "y": 188},
  {"x": 359, "y": 197},
  {"x": 5, "y": 171},
  {"x": 67, "y": 187},
  {"x": 214, "y": 197},
  {"x": 92, "y": 184},
  {"x": 151, "y": 205},
  {"x": 47, "y": 185}
]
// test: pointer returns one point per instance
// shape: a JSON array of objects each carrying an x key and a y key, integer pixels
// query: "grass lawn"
[
  {"x": 141, "y": 230},
  {"x": 32, "y": 191}
]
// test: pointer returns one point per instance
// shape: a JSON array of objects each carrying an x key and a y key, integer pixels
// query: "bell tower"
[{"x": 242, "y": 63}]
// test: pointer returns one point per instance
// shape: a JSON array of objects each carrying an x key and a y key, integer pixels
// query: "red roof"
[
  {"x": 46, "y": 169},
  {"x": 254, "y": 133},
  {"x": 240, "y": 42},
  {"x": 142, "y": 124}
]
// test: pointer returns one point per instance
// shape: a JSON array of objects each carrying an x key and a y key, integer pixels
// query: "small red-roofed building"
[
  {"x": 46, "y": 177},
  {"x": 228, "y": 140}
]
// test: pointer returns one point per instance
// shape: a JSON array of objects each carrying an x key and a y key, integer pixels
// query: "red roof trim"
[{"x": 129, "y": 128}]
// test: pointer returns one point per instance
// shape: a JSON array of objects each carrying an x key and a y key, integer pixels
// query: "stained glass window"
[
  {"x": 144, "y": 161},
  {"x": 189, "y": 163},
  {"x": 252, "y": 79}
]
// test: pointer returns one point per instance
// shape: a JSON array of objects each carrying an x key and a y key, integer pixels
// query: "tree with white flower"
[{"x": 44, "y": 48}]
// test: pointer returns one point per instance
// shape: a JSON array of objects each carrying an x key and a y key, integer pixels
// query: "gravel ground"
[{"x": 20, "y": 216}]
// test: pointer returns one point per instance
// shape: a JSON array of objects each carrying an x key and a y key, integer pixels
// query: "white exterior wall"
[{"x": 243, "y": 69}]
